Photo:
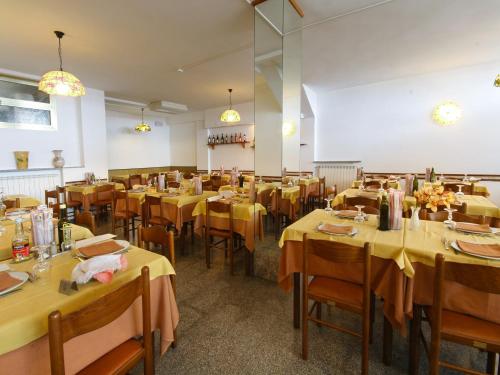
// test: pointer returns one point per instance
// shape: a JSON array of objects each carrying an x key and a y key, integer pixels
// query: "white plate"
[
  {"x": 124, "y": 245},
  {"x": 22, "y": 276},
  {"x": 354, "y": 230},
  {"x": 455, "y": 246}
]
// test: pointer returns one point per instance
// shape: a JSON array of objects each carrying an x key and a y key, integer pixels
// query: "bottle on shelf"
[
  {"x": 433, "y": 175},
  {"x": 20, "y": 242},
  {"x": 227, "y": 139},
  {"x": 415, "y": 184},
  {"x": 244, "y": 137},
  {"x": 240, "y": 139},
  {"x": 63, "y": 219},
  {"x": 217, "y": 140},
  {"x": 384, "y": 213},
  {"x": 232, "y": 138}
]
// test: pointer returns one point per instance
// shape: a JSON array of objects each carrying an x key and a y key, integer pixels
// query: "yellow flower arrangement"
[{"x": 434, "y": 196}]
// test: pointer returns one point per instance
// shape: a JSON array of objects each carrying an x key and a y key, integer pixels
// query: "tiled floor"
[{"x": 243, "y": 325}]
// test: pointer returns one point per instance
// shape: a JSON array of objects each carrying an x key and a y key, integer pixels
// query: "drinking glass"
[
  {"x": 450, "y": 221},
  {"x": 459, "y": 194},
  {"x": 465, "y": 179},
  {"x": 328, "y": 203},
  {"x": 42, "y": 263},
  {"x": 360, "y": 217}
]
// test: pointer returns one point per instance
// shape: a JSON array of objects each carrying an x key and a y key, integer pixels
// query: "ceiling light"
[
  {"x": 447, "y": 113},
  {"x": 230, "y": 115},
  {"x": 142, "y": 127},
  {"x": 497, "y": 81},
  {"x": 59, "y": 82}
]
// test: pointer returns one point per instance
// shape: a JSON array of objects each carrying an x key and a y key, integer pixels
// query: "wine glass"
[
  {"x": 42, "y": 264},
  {"x": 360, "y": 217},
  {"x": 328, "y": 200},
  {"x": 459, "y": 194},
  {"x": 450, "y": 221}
]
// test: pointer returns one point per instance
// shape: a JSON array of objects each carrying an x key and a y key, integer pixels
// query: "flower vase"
[
  {"x": 415, "y": 218},
  {"x": 22, "y": 158},
  {"x": 58, "y": 161}
]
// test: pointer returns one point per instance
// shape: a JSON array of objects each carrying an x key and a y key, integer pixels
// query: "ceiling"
[{"x": 132, "y": 49}]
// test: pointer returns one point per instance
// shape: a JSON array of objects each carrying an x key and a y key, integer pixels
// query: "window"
[{"x": 23, "y": 106}]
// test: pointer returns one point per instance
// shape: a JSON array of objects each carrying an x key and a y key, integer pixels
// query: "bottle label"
[{"x": 20, "y": 251}]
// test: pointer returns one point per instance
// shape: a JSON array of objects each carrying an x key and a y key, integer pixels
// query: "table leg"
[
  {"x": 182, "y": 238},
  {"x": 387, "y": 348},
  {"x": 296, "y": 300},
  {"x": 86, "y": 202},
  {"x": 416, "y": 325}
]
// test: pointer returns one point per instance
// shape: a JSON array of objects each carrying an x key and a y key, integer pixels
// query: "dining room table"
[
  {"x": 7, "y": 231},
  {"x": 24, "y": 200},
  {"x": 402, "y": 267},
  {"x": 86, "y": 194},
  {"x": 24, "y": 347},
  {"x": 247, "y": 220}
]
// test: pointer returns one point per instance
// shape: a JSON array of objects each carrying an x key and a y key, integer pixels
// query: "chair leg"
[
  {"x": 318, "y": 313},
  {"x": 126, "y": 229},
  {"x": 492, "y": 363},
  {"x": 416, "y": 324},
  {"x": 305, "y": 344},
  {"x": 207, "y": 249},
  {"x": 231, "y": 255},
  {"x": 372, "y": 315},
  {"x": 192, "y": 232},
  {"x": 387, "y": 346}
]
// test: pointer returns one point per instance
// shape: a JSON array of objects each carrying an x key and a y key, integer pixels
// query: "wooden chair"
[
  {"x": 173, "y": 184},
  {"x": 150, "y": 219},
  {"x": 13, "y": 203},
  {"x": 367, "y": 209},
  {"x": 86, "y": 219},
  {"x": 104, "y": 196},
  {"x": 206, "y": 185},
  {"x": 317, "y": 198},
  {"x": 374, "y": 184},
  {"x": 216, "y": 182},
  {"x": 264, "y": 198},
  {"x": 135, "y": 179},
  {"x": 152, "y": 176},
  {"x": 457, "y": 216},
  {"x": 279, "y": 212},
  {"x": 188, "y": 176},
  {"x": 364, "y": 201},
  {"x": 226, "y": 235},
  {"x": 53, "y": 200},
  {"x": 126, "y": 215},
  {"x": 70, "y": 203},
  {"x": 467, "y": 189},
  {"x": 97, "y": 314},
  {"x": 494, "y": 222},
  {"x": 353, "y": 297},
  {"x": 461, "y": 328}
]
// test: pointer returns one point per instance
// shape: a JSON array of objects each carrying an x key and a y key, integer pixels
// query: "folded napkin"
[
  {"x": 7, "y": 281},
  {"x": 469, "y": 227},
  {"x": 335, "y": 229},
  {"x": 490, "y": 250},
  {"x": 101, "y": 248},
  {"x": 100, "y": 268},
  {"x": 347, "y": 213}
]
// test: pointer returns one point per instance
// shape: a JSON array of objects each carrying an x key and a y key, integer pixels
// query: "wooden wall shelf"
[{"x": 242, "y": 144}]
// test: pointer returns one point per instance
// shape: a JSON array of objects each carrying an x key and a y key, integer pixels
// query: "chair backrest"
[
  {"x": 374, "y": 183},
  {"x": 279, "y": 205},
  {"x": 322, "y": 187},
  {"x": 12, "y": 203},
  {"x": 152, "y": 201},
  {"x": 466, "y": 188},
  {"x": 218, "y": 207},
  {"x": 152, "y": 176},
  {"x": 135, "y": 179},
  {"x": 331, "y": 190},
  {"x": 494, "y": 222},
  {"x": 335, "y": 252},
  {"x": 118, "y": 195},
  {"x": 188, "y": 176},
  {"x": 97, "y": 314},
  {"x": 216, "y": 182},
  {"x": 206, "y": 185},
  {"x": 173, "y": 184},
  {"x": 264, "y": 197},
  {"x": 50, "y": 195},
  {"x": 365, "y": 201},
  {"x": 157, "y": 235},
  {"x": 457, "y": 216},
  {"x": 86, "y": 219},
  {"x": 367, "y": 209},
  {"x": 104, "y": 192}
]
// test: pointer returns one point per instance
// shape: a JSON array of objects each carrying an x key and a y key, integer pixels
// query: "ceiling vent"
[{"x": 167, "y": 107}]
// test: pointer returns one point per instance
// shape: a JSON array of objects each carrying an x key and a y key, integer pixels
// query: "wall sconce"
[
  {"x": 289, "y": 129},
  {"x": 497, "y": 81},
  {"x": 447, "y": 113}
]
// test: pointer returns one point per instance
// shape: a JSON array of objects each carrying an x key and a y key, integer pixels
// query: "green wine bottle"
[
  {"x": 433, "y": 175},
  {"x": 415, "y": 184},
  {"x": 384, "y": 213},
  {"x": 60, "y": 224}
]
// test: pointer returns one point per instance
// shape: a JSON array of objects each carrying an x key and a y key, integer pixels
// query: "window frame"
[{"x": 28, "y": 104}]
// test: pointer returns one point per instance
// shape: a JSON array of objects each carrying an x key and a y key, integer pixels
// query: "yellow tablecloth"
[
  {"x": 309, "y": 181},
  {"x": 291, "y": 193},
  {"x": 77, "y": 233},
  {"x": 21, "y": 323},
  {"x": 183, "y": 200},
  {"x": 241, "y": 211},
  {"x": 90, "y": 189},
  {"x": 392, "y": 184},
  {"x": 339, "y": 198},
  {"x": 476, "y": 205},
  {"x": 25, "y": 200}
]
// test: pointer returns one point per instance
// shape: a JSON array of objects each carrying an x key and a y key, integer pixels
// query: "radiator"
[
  {"x": 340, "y": 173},
  {"x": 29, "y": 183}
]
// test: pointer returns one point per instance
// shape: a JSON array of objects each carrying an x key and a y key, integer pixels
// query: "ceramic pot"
[
  {"x": 58, "y": 161},
  {"x": 22, "y": 158}
]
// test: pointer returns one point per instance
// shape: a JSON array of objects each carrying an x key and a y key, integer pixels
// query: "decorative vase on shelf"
[
  {"x": 22, "y": 158},
  {"x": 58, "y": 161}
]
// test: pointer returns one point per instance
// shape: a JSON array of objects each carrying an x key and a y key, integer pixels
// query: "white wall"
[
  {"x": 232, "y": 155},
  {"x": 388, "y": 125},
  {"x": 128, "y": 149},
  {"x": 183, "y": 139},
  {"x": 307, "y": 140}
]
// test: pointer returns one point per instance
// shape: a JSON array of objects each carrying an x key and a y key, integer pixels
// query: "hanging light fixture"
[
  {"x": 230, "y": 115},
  {"x": 497, "y": 81},
  {"x": 142, "y": 127},
  {"x": 59, "y": 82}
]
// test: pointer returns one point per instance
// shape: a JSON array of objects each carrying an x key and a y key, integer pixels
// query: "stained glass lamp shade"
[
  {"x": 59, "y": 82},
  {"x": 497, "y": 81},
  {"x": 142, "y": 127},
  {"x": 230, "y": 115}
]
